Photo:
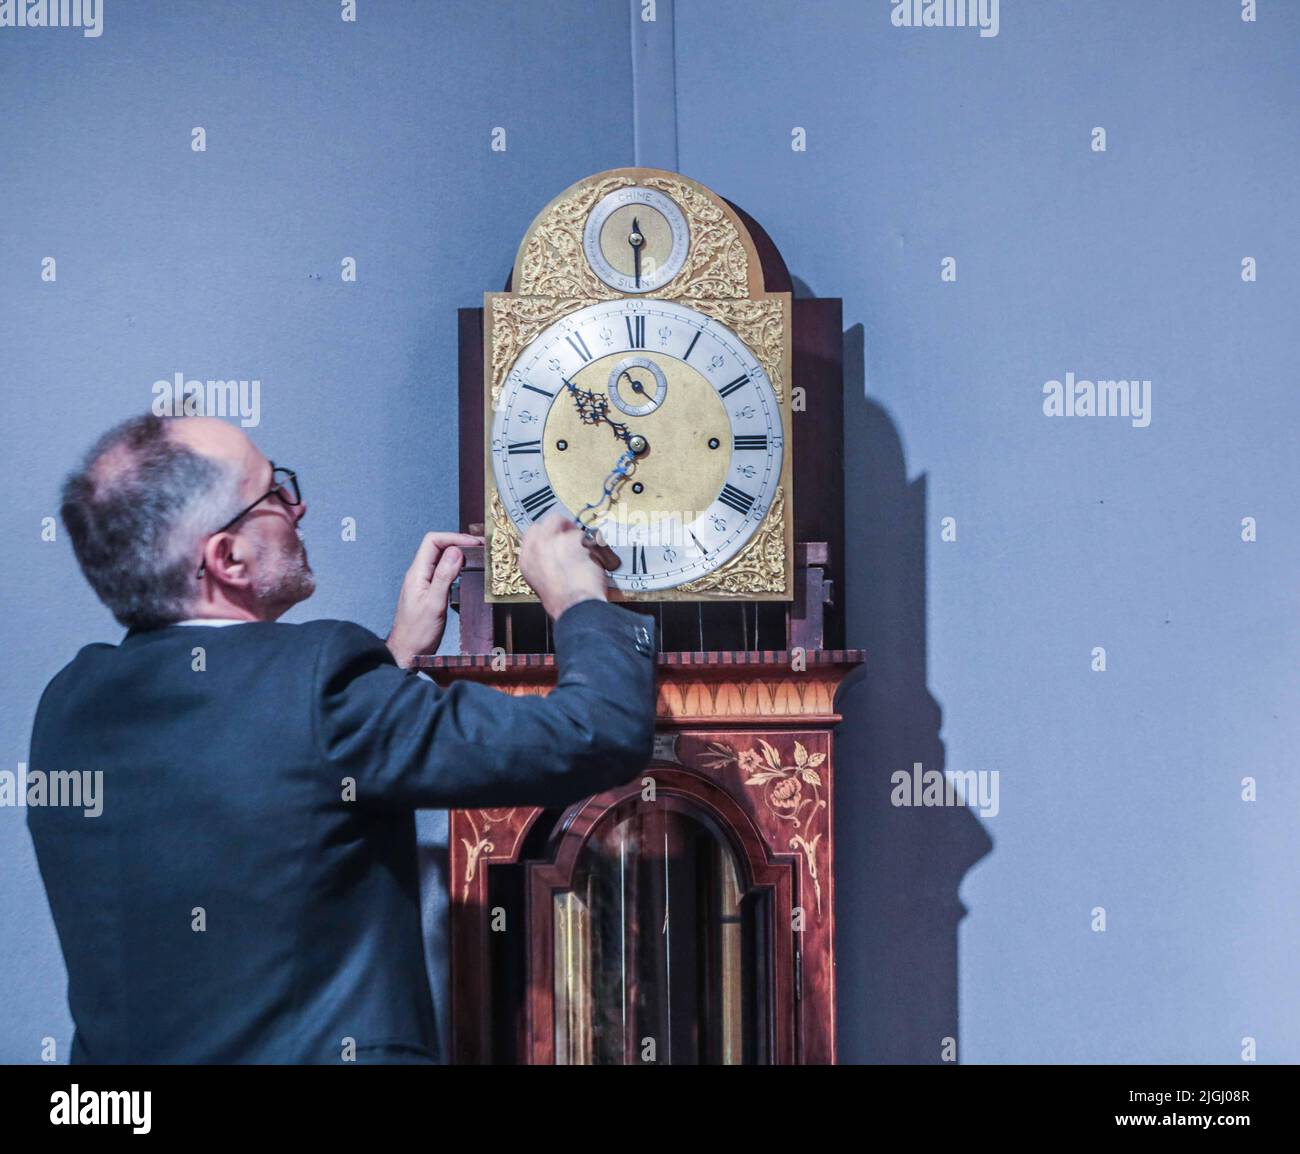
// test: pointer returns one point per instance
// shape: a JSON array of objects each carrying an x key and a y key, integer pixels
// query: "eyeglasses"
[{"x": 284, "y": 485}]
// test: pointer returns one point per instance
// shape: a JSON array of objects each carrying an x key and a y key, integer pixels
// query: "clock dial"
[
  {"x": 655, "y": 423},
  {"x": 636, "y": 239}
]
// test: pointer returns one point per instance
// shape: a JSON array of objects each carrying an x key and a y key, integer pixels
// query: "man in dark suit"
[{"x": 248, "y": 892}]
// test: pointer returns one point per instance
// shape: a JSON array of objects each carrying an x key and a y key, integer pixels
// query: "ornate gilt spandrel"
[{"x": 512, "y": 323}]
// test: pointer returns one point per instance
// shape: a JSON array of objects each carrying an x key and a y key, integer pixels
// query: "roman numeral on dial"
[
  {"x": 739, "y": 383},
  {"x": 579, "y": 346},
  {"x": 525, "y": 447},
  {"x": 635, "y": 332},
  {"x": 736, "y": 499},
  {"x": 748, "y": 441},
  {"x": 535, "y": 504}
]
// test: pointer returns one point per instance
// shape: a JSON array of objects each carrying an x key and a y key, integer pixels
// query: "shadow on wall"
[{"x": 898, "y": 869}]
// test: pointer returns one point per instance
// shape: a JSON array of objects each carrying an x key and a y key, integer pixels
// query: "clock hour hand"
[{"x": 593, "y": 408}]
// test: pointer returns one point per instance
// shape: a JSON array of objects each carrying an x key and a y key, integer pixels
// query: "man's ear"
[{"x": 226, "y": 558}]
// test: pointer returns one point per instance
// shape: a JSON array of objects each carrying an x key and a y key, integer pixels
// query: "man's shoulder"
[
  {"x": 102, "y": 671},
  {"x": 284, "y": 632},
  {"x": 297, "y": 632},
  {"x": 145, "y": 645},
  {"x": 305, "y": 640}
]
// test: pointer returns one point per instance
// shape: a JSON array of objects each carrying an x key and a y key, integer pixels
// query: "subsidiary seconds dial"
[{"x": 649, "y": 420}]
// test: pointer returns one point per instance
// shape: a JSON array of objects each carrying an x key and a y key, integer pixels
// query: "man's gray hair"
[{"x": 137, "y": 511}]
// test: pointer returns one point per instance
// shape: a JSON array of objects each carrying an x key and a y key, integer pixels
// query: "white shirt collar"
[{"x": 214, "y": 621}]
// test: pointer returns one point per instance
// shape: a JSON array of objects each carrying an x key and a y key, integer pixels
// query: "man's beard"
[{"x": 284, "y": 578}]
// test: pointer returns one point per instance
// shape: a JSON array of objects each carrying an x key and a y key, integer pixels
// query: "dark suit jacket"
[{"x": 224, "y": 790}]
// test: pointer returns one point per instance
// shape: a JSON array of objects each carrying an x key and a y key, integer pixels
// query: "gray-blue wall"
[{"x": 1119, "y": 789}]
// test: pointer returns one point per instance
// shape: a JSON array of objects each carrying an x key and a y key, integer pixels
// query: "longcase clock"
[{"x": 649, "y": 372}]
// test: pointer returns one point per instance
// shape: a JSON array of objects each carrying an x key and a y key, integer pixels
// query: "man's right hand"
[{"x": 558, "y": 562}]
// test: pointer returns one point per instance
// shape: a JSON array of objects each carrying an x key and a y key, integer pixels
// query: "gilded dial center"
[{"x": 689, "y": 435}]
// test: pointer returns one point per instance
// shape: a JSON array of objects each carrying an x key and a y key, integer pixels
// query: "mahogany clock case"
[{"x": 698, "y": 921}]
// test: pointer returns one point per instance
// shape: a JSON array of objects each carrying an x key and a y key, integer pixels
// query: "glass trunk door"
[{"x": 660, "y": 953}]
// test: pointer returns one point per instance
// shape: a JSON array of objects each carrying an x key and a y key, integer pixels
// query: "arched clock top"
[{"x": 717, "y": 259}]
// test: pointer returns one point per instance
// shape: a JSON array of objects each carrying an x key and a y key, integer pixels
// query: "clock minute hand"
[{"x": 623, "y": 468}]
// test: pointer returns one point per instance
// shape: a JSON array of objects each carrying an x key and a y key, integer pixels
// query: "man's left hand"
[{"x": 421, "y": 614}]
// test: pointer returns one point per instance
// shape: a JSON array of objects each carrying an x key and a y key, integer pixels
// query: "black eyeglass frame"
[{"x": 277, "y": 490}]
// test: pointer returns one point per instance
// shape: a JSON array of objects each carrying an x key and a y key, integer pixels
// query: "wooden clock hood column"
[{"x": 687, "y": 917}]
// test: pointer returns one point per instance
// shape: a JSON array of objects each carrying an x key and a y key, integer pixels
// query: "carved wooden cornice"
[{"x": 718, "y": 689}]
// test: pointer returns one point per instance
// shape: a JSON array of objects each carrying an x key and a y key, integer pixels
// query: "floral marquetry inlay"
[
  {"x": 486, "y": 834},
  {"x": 791, "y": 792}
]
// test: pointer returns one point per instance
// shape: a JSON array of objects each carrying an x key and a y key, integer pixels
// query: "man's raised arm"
[{"x": 408, "y": 743}]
